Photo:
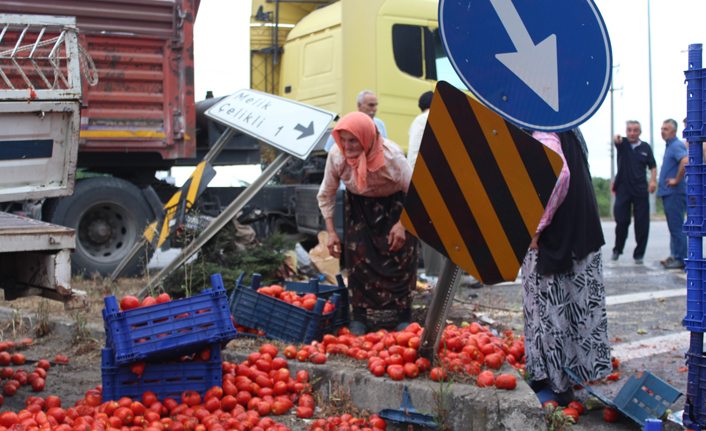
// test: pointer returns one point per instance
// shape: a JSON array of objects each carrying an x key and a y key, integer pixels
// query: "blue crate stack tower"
[
  {"x": 695, "y": 227},
  {"x": 160, "y": 335}
]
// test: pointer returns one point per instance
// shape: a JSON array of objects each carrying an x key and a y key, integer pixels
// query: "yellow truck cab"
[{"x": 325, "y": 54}]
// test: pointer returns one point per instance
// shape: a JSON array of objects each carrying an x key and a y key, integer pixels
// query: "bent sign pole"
[{"x": 293, "y": 127}]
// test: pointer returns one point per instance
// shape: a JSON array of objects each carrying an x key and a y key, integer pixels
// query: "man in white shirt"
[{"x": 416, "y": 130}]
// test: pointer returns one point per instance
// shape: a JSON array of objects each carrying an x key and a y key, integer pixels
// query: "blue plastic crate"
[
  {"x": 695, "y": 96},
  {"x": 695, "y": 224},
  {"x": 164, "y": 379},
  {"x": 695, "y": 405},
  {"x": 643, "y": 396},
  {"x": 169, "y": 329},
  {"x": 276, "y": 318},
  {"x": 695, "y": 319},
  {"x": 326, "y": 291}
]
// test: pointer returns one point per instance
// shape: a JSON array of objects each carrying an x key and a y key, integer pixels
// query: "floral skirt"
[
  {"x": 377, "y": 277},
  {"x": 566, "y": 323}
]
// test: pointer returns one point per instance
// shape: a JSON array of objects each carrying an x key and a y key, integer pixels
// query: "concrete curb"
[{"x": 470, "y": 407}]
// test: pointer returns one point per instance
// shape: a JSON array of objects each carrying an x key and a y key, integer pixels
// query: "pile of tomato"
[
  {"x": 131, "y": 302},
  {"x": 251, "y": 393},
  {"x": 308, "y": 301},
  {"x": 395, "y": 353}
]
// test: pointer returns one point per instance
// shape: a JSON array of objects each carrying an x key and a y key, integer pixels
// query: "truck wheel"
[{"x": 109, "y": 215}]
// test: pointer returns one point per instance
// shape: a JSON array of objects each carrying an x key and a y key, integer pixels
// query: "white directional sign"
[{"x": 291, "y": 126}]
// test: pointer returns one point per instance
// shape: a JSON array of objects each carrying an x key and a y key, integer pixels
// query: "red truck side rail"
[{"x": 144, "y": 56}]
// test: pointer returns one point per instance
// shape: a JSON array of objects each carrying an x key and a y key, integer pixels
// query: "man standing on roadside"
[
  {"x": 632, "y": 190},
  {"x": 368, "y": 104},
  {"x": 672, "y": 190}
]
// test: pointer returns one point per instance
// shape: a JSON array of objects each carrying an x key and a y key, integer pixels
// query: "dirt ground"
[{"x": 83, "y": 372}]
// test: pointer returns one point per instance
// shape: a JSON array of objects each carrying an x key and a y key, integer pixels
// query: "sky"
[{"x": 222, "y": 66}]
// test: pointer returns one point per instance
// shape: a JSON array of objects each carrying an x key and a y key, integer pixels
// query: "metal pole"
[
  {"x": 449, "y": 280},
  {"x": 653, "y": 196},
  {"x": 142, "y": 241},
  {"x": 217, "y": 224}
]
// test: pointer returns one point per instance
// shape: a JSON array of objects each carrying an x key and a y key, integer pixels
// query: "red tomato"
[
  {"x": 506, "y": 381},
  {"x": 59, "y": 358},
  {"x": 269, "y": 349},
  {"x": 306, "y": 400},
  {"x": 18, "y": 359},
  {"x": 493, "y": 361},
  {"x": 129, "y": 303},
  {"x": 290, "y": 352},
  {"x": 486, "y": 379},
  {"x": 164, "y": 297},
  {"x": 396, "y": 372},
  {"x": 7, "y": 373},
  {"x": 571, "y": 413},
  {"x": 302, "y": 356},
  {"x": 409, "y": 355},
  {"x": 302, "y": 376},
  {"x": 318, "y": 358},
  {"x": 304, "y": 412},
  {"x": 148, "y": 301},
  {"x": 610, "y": 415},
  {"x": 615, "y": 362},
  {"x": 550, "y": 403},
  {"x": 279, "y": 408},
  {"x": 411, "y": 370},
  {"x": 423, "y": 364},
  {"x": 577, "y": 406},
  {"x": 190, "y": 398},
  {"x": 124, "y": 414},
  {"x": 9, "y": 389},
  {"x": 438, "y": 374},
  {"x": 43, "y": 363}
]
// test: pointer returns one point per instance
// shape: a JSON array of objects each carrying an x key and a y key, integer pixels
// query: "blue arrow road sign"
[{"x": 541, "y": 64}]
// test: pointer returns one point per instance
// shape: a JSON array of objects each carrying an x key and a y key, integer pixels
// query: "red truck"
[{"x": 138, "y": 119}]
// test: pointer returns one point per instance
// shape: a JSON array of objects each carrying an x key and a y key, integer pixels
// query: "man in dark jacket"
[{"x": 632, "y": 190}]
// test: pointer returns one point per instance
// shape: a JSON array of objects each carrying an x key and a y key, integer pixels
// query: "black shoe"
[
  {"x": 615, "y": 256},
  {"x": 476, "y": 285},
  {"x": 357, "y": 328},
  {"x": 666, "y": 261},
  {"x": 639, "y": 261},
  {"x": 675, "y": 264}
]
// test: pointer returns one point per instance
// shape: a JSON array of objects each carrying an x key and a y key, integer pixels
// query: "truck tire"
[{"x": 109, "y": 214}]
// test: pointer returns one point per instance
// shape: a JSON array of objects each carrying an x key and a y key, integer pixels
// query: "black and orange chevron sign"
[
  {"x": 479, "y": 187},
  {"x": 179, "y": 204}
]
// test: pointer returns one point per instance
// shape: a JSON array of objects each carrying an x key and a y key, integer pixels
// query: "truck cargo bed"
[{"x": 35, "y": 259}]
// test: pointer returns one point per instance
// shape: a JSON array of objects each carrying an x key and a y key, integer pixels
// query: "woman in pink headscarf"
[{"x": 381, "y": 256}]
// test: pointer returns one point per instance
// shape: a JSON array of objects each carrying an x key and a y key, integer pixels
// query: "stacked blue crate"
[
  {"x": 695, "y": 227},
  {"x": 161, "y": 335}
]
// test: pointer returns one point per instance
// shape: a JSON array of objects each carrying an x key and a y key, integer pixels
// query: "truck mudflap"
[{"x": 35, "y": 259}]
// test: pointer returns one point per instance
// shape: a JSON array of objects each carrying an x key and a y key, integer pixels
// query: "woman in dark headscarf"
[
  {"x": 563, "y": 295},
  {"x": 381, "y": 256}
]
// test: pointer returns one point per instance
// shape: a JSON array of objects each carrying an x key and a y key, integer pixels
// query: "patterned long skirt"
[
  {"x": 377, "y": 277},
  {"x": 566, "y": 323}
]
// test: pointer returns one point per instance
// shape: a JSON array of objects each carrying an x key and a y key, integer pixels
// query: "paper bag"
[{"x": 324, "y": 262}]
